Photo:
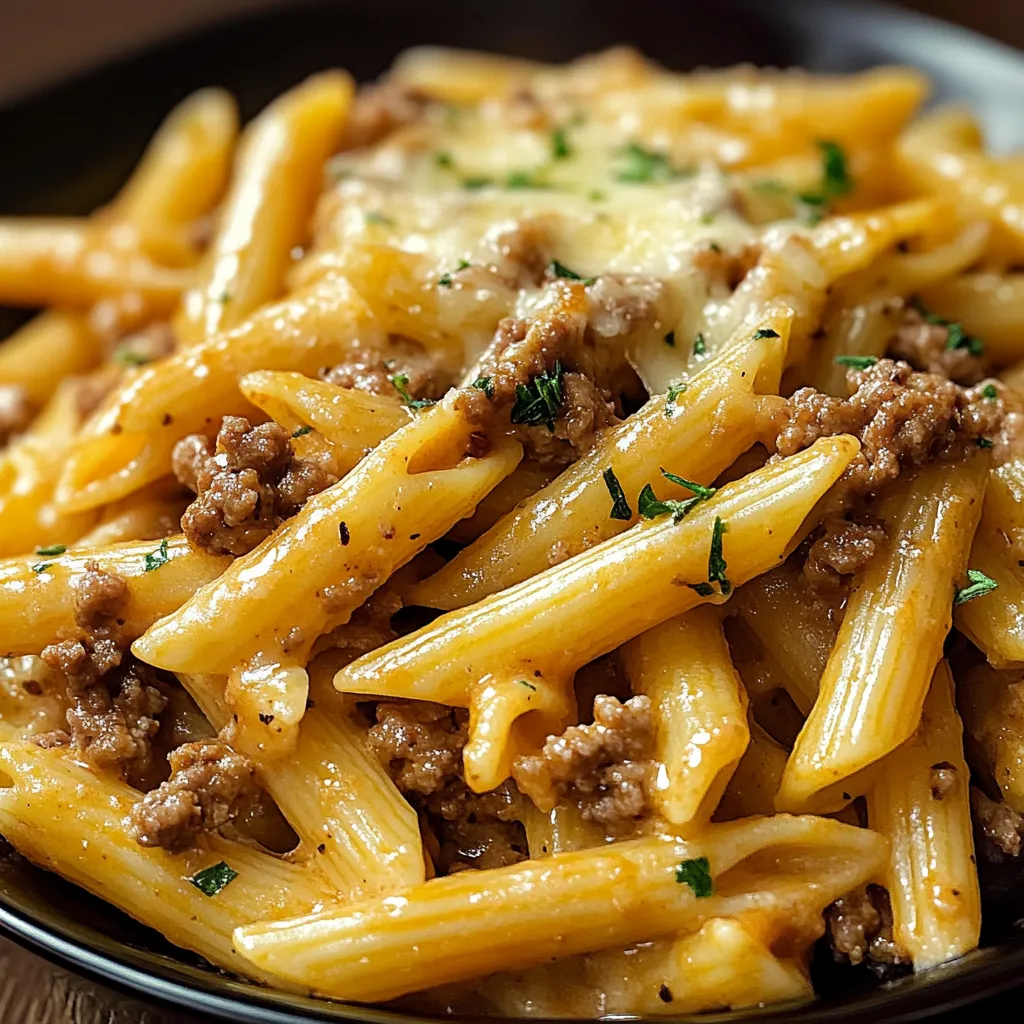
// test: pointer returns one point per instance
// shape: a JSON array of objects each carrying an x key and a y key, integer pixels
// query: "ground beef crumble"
[
  {"x": 860, "y": 928},
  {"x": 925, "y": 345},
  {"x": 371, "y": 370},
  {"x": 421, "y": 744},
  {"x": 15, "y": 411},
  {"x": 605, "y": 767},
  {"x": 841, "y": 547},
  {"x": 246, "y": 484},
  {"x": 379, "y": 109},
  {"x": 998, "y": 827},
  {"x": 210, "y": 785}
]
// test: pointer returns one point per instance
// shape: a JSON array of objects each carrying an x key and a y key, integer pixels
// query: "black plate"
[{"x": 67, "y": 150}]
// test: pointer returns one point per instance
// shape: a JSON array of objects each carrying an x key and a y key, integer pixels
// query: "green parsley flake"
[
  {"x": 529, "y": 686},
  {"x": 400, "y": 382},
  {"x": 639, "y": 165},
  {"x": 956, "y": 336},
  {"x": 526, "y": 179},
  {"x": 699, "y": 345},
  {"x": 670, "y": 339},
  {"x": 126, "y": 356},
  {"x": 707, "y": 218},
  {"x": 675, "y": 389},
  {"x": 52, "y": 551},
  {"x": 836, "y": 181},
  {"x": 716, "y": 563},
  {"x": 476, "y": 182},
  {"x": 224, "y": 297},
  {"x": 302, "y": 431},
  {"x": 560, "y": 148},
  {"x": 765, "y": 332},
  {"x": 990, "y": 392},
  {"x": 561, "y": 270},
  {"x": 650, "y": 507},
  {"x": 41, "y": 567},
  {"x": 983, "y": 442},
  {"x": 856, "y": 362},
  {"x": 541, "y": 400},
  {"x": 620, "y": 507},
  {"x": 442, "y": 158},
  {"x": 696, "y": 873},
  {"x": 445, "y": 280},
  {"x": 157, "y": 558},
  {"x": 486, "y": 385},
  {"x": 213, "y": 879},
  {"x": 374, "y": 217},
  {"x": 596, "y": 195},
  {"x": 980, "y": 585},
  {"x": 769, "y": 186}
]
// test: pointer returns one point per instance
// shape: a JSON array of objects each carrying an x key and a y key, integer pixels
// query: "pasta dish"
[{"x": 526, "y": 540}]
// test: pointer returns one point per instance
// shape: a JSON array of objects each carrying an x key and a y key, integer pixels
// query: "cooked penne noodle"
[
  {"x": 711, "y": 422},
  {"x": 920, "y": 804},
  {"x": 891, "y": 637},
  {"x": 510, "y": 657},
  {"x": 700, "y": 711},
  {"x": 756, "y": 780},
  {"x": 150, "y": 514},
  {"x": 421, "y": 474},
  {"x": 384, "y": 948},
  {"x": 277, "y": 177},
  {"x": 64, "y": 817},
  {"x": 128, "y": 442},
  {"x": 37, "y": 595}
]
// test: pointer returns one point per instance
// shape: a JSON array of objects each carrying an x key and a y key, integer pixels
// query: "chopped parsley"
[
  {"x": 529, "y": 686},
  {"x": 400, "y": 382},
  {"x": 224, "y": 297},
  {"x": 445, "y": 280},
  {"x": 765, "y": 332},
  {"x": 990, "y": 392},
  {"x": 696, "y": 873},
  {"x": 620, "y": 507},
  {"x": 956, "y": 337},
  {"x": 707, "y": 218},
  {"x": 836, "y": 180},
  {"x": 980, "y": 585},
  {"x": 41, "y": 567},
  {"x": 486, "y": 385},
  {"x": 302, "y": 431},
  {"x": 650, "y": 506},
  {"x": 639, "y": 165},
  {"x": 675, "y": 389},
  {"x": 699, "y": 345},
  {"x": 375, "y": 217},
  {"x": 596, "y": 195},
  {"x": 769, "y": 186},
  {"x": 157, "y": 558},
  {"x": 560, "y": 148},
  {"x": 213, "y": 879},
  {"x": 716, "y": 563},
  {"x": 52, "y": 551},
  {"x": 856, "y": 362},
  {"x": 442, "y": 158},
  {"x": 670, "y": 339},
  {"x": 539, "y": 401},
  {"x": 561, "y": 270},
  {"x": 476, "y": 182},
  {"x": 983, "y": 442},
  {"x": 526, "y": 179},
  {"x": 127, "y": 356}
]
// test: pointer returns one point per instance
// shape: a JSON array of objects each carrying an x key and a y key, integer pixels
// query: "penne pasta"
[
  {"x": 384, "y": 948},
  {"x": 710, "y": 423},
  {"x": 527, "y": 641},
  {"x": 890, "y": 640},
  {"x": 700, "y": 711},
  {"x": 920, "y": 804}
]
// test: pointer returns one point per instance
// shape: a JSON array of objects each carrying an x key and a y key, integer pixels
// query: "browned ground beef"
[
  {"x": 903, "y": 419},
  {"x": 379, "y": 109},
  {"x": 15, "y": 411},
  {"x": 112, "y": 721},
  {"x": 925, "y": 345},
  {"x": 842, "y": 547},
  {"x": 245, "y": 484},
  {"x": 998, "y": 827},
  {"x": 371, "y": 370},
  {"x": 605, "y": 767},
  {"x": 421, "y": 744},
  {"x": 99, "y": 598},
  {"x": 860, "y": 927},
  {"x": 523, "y": 253},
  {"x": 725, "y": 270},
  {"x": 210, "y": 785}
]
